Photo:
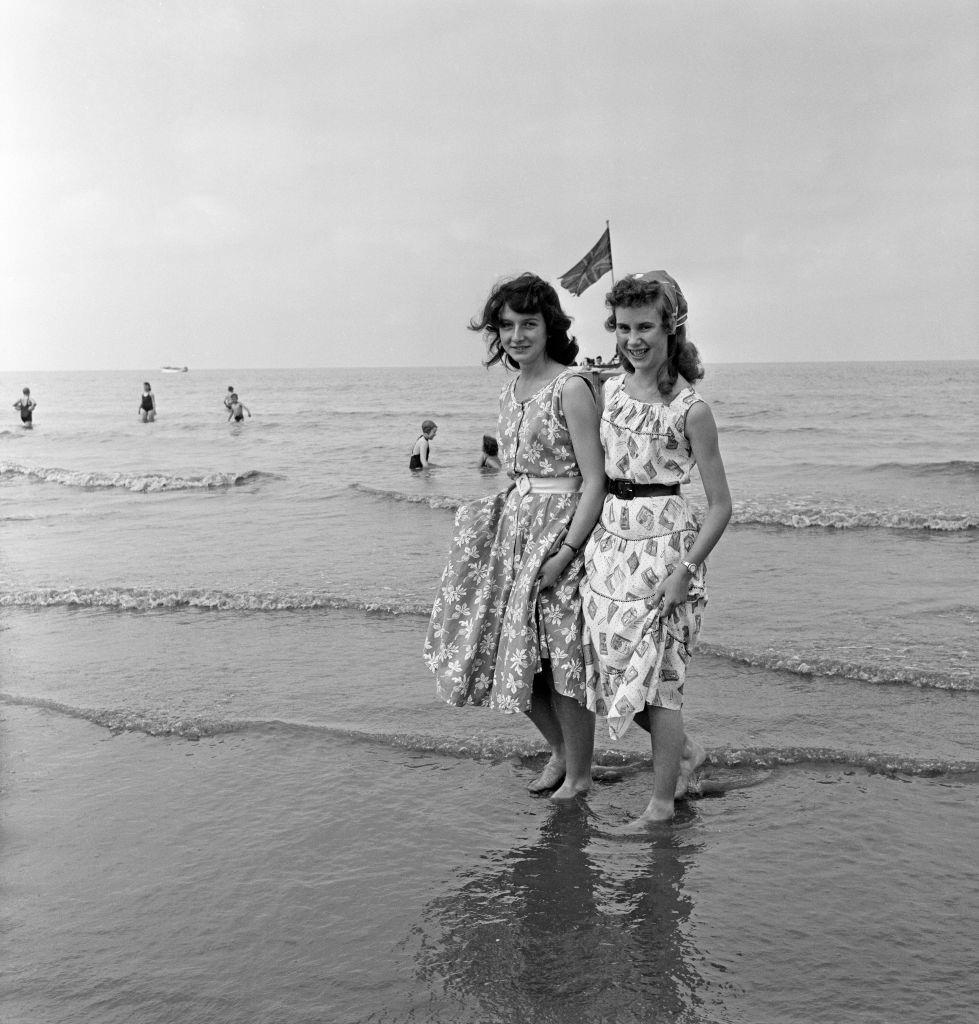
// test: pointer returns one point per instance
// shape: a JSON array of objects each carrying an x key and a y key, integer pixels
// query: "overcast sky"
[{"x": 315, "y": 183}]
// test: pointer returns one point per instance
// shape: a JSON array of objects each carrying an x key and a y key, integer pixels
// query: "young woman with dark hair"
[{"x": 506, "y": 624}]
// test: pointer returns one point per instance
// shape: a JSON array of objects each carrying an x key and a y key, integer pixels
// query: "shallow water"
[
  {"x": 269, "y": 876},
  {"x": 229, "y": 793}
]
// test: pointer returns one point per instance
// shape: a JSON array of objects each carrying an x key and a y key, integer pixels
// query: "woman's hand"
[
  {"x": 672, "y": 591},
  {"x": 553, "y": 567}
]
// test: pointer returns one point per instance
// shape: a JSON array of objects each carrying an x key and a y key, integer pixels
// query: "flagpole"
[{"x": 611, "y": 268}]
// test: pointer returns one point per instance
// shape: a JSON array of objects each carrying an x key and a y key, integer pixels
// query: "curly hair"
[
  {"x": 527, "y": 293},
  {"x": 682, "y": 356}
]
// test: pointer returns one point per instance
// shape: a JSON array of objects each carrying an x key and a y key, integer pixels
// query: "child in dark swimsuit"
[
  {"x": 147, "y": 404},
  {"x": 419, "y": 453},
  {"x": 26, "y": 406}
]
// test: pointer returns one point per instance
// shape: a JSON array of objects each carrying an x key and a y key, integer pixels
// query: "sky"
[{"x": 316, "y": 183}]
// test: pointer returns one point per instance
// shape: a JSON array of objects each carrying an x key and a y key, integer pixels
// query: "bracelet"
[{"x": 570, "y": 547}]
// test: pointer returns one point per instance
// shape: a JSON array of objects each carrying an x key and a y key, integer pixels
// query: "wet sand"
[{"x": 269, "y": 876}]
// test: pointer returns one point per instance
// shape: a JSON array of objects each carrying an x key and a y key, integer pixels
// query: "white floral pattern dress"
[
  {"x": 633, "y": 655},
  {"x": 491, "y": 624}
]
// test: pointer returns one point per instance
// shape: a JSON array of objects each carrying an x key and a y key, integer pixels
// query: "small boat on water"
[{"x": 174, "y": 369}]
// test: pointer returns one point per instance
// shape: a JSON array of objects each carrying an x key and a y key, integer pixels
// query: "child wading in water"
[
  {"x": 147, "y": 404},
  {"x": 420, "y": 452},
  {"x": 644, "y": 593},
  {"x": 237, "y": 409},
  {"x": 490, "y": 459},
  {"x": 506, "y": 625},
  {"x": 26, "y": 405}
]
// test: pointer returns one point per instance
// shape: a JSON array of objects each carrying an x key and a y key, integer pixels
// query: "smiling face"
[
  {"x": 640, "y": 335},
  {"x": 523, "y": 336}
]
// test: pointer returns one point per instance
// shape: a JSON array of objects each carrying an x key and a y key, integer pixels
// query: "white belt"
[{"x": 547, "y": 484}]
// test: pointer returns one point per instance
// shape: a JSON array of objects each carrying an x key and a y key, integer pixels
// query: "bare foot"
[
  {"x": 551, "y": 777},
  {"x": 658, "y": 812},
  {"x": 571, "y": 790},
  {"x": 694, "y": 756}
]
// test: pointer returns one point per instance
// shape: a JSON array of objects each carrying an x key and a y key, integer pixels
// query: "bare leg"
[
  {"x": 667, "y": 741},
  {"x": 578, "y": 729},
  {"x": 543, "y": 715},
  {"x": 691, "y": 759}
]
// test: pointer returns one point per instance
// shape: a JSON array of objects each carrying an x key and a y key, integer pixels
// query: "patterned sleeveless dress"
[
  {"x": 491, "y": 625},
  {"x": 633, "y": 655}
]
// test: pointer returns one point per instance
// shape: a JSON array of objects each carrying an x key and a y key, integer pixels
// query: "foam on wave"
[
  {"x": 139, "y": 482},
  {"x": 197, "y": 727},
  {"x": 433, "y": 501},
  {"x": 150, "y": 599},
  {"x": 147, "y": 599},
  {"x": 953, "y": 467},
  {"x": 746, "y": 513},
  {"x": 808, "y": 516},
  {"x": 806, "y": 665}
]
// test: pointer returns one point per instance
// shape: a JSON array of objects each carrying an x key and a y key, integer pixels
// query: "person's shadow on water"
[{"x": 577, "y": 927}]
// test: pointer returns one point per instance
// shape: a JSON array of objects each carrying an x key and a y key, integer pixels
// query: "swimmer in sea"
[
  {"x": 490, "y": 459},
  {"x": 147, "y": 404},
  {"x": 421, "y": 449},
  {"x": 26, "y": 405},
  {"x": 229, "y": 397},
  {"x": 235, "y": 408}
]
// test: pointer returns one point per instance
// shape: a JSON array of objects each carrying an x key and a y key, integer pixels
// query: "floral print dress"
[
  {"x": 491, "y": 625},
  {"x": 633, "y": 655}
]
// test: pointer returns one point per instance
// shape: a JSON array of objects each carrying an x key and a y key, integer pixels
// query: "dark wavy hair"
[
  {"x": 490, "y": 445},
  {"x": 682, "y": 356},
  {"x": 525, "y": 294}
]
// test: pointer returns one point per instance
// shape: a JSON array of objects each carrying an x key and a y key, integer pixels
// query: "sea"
[{"x": 229, "y": 793}]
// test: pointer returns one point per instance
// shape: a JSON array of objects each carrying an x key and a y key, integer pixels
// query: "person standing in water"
[
  {"x": 147, "y": 404},
  {"x": 421, "y": 449},
  {"x": 228, "y": 397},
  {"x": 506, "y": 624},
  {"x": 26, "y": 405},
  {"x": 490, "y": 459},
  {"x": 236, "y": 409},
  {"x": 644, "y": 591}
]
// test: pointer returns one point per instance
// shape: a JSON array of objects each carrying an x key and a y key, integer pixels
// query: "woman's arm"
[
  {"x": 581, "y": 413},
  {"x": 701, "y": 431}
]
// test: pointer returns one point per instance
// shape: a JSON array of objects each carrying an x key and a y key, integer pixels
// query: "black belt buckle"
[{"x": 625, "y": 489}]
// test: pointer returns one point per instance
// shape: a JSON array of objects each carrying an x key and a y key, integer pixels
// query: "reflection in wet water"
[{"x": 574, "y": 927}]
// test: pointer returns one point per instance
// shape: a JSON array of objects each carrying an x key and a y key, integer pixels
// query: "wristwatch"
[{"x": 691, "y": 567}]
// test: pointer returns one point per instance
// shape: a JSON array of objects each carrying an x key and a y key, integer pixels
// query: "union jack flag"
[{"x": 596, "y": 263}]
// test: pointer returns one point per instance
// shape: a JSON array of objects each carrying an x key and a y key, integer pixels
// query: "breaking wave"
[
  {"x": 747, "y": 513},
  {"x": 197, "y": 727},
  {"x": 965, "y": 468},
  {"x": 139, "y": 482},
  {"x": 807, "y": 665},
  {"x": 150, "y": 599}
]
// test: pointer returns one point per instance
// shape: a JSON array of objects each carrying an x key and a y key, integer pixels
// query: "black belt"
[{"x": 627, "y": 489}]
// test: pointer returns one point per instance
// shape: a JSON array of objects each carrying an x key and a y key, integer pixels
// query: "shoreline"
[{"x": 255, "y": 875}]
